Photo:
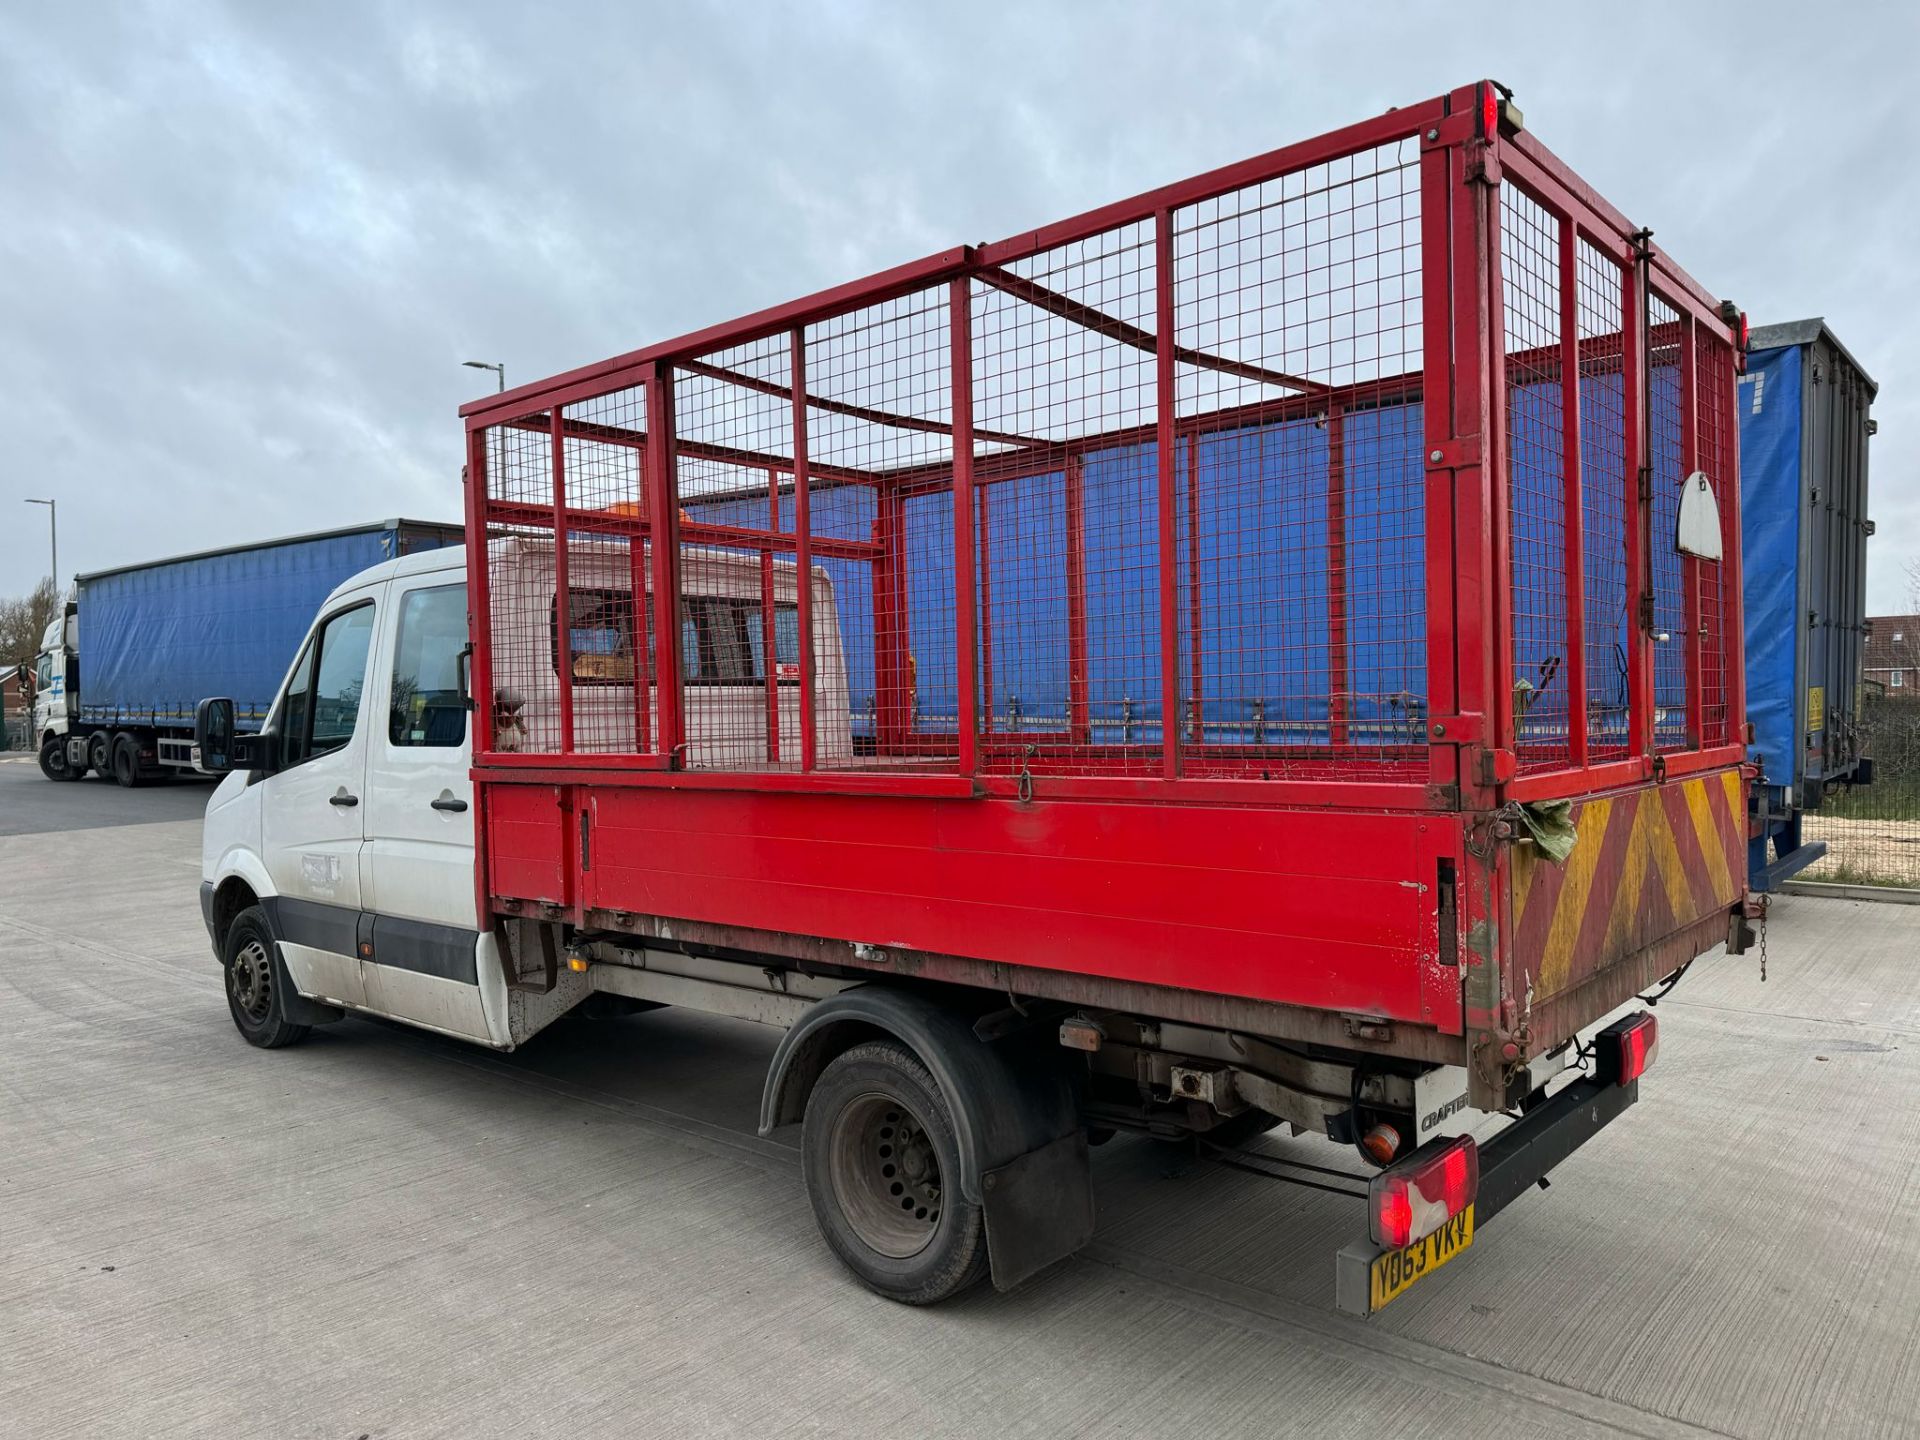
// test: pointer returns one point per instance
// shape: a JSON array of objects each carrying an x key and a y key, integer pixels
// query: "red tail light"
[
  {"x": 1489, "y": 111},
  {"x": 1628, "y": 1048},
  {"x": 1416, "y": 1197}
]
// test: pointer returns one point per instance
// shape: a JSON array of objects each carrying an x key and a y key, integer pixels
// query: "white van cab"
[{"x": 338, "y": 861}]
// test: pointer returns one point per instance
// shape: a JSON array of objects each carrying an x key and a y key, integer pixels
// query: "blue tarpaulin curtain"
[{"x": 156, "y": 641}]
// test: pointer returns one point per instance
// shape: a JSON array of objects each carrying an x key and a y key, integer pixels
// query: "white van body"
[{"x": 360, "y": 847}]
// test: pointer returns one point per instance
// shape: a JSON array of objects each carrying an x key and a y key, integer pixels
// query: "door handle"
[
  {"x": 448, "y": 802},
  {"x": 341, "y": 797}
]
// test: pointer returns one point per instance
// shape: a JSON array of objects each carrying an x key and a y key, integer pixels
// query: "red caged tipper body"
[{"x": 1211, "y": 601}]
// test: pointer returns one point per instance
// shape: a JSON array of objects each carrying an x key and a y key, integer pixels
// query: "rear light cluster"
[
  {"x": 1420, "y": 1194},
  {"x": 1627, "y": 1048},
  {"x": 1410, "y": 1200}
]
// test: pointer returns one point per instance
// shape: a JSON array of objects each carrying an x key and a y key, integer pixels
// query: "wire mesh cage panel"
[
  {"x": 1607, "y": 486},
  {"x": 602, "y": 642},
  {"x": 1067, "y": 575},
  {"x": 1713, "y": 416},
  {"x": 565, "y": 562},
  {"x": 1298, "y": 480},
  {"x": 739, "y": 598},
  {"x": 1618, "y": 380},
  {"x": 519, "y": 477},
  {"x": 880, "y": 428},
  {"x": 1537, "y": 470},
  {"x": 1667, "y": 439}
]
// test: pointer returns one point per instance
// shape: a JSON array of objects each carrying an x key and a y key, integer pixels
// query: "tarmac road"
[{"x": 384, "y": 1234}]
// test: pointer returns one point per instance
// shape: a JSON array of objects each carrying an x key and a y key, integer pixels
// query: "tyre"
[
  {"x": 255, "y": 980},
  {"x": 879, "y": 1154},
  {"x": 126, "y": 761},
  {"x": 100, "y": 752},
  {"x": 53, "y": 761}
]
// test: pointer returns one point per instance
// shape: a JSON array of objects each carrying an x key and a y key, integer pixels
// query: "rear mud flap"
[{"x": 1038, "y": 1209}]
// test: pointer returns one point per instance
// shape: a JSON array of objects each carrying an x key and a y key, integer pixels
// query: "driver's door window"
[{"x": 322, "y": 703}]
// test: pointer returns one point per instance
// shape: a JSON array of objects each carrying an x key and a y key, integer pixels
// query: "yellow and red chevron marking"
[{"x": 1647, "y": 863}]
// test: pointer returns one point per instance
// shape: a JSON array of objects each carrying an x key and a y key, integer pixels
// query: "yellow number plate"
[{"x": 1393, "y": 1273}]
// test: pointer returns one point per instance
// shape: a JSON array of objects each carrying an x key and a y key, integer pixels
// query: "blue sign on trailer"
[
  {"x": 155, "y": 639},
  {"x": 1804, "y": 424}
]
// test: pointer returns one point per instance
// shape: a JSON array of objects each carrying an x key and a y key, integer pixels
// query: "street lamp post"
[
  {"x": 500, "y": 371},
  {"x": 53, "y": 534}
]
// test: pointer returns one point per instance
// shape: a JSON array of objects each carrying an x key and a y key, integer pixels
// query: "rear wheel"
[
  {"x": 126, "y": 761},
  {"x": 881, "y": 1160},
  {"x": 255, "y": 981},
  {"x": 53, "y": 761}
]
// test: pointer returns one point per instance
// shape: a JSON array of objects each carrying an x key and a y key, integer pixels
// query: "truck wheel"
[
  {"x": 126, "y": 761},
  {"x": 880, "y": 1156},
  {"x": 254, "y": 980},
  {"x": 53, "y": 761},
  {"x": 100, "y": 752}
]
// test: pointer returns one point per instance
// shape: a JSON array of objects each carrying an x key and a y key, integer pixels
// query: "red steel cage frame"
[{"x": 1474, "y": 756}]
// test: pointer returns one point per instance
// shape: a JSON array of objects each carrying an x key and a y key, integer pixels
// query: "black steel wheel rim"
[
  {"x": 250, "y": 978},
  {"x": 885, "y": 1173}
]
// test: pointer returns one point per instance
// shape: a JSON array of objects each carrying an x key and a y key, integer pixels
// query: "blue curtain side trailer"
[
  {"x": 154, "y": 639},
  {"x": 1804, "y": 406}
]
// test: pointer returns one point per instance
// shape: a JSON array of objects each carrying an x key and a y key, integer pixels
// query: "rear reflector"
[
  {"x": 1420, "y": 1194},
  {"x": 1627, "y": 1048},
  {"x": 1381, "y": 1143}
]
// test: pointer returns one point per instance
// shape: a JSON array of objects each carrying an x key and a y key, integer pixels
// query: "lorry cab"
[
  {"x": 56, "y": 686},
  {"x": 346, "y": 828}
]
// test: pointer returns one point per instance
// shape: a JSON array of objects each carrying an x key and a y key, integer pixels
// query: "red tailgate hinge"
[{"x": 1495, "y": 767}]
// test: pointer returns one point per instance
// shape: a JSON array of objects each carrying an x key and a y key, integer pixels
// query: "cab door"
[
  {"x": 312, "y": 803},
  {"x": 419, "y": 962}
]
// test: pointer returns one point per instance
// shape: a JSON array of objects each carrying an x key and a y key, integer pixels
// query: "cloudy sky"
[{"x": 243, "y": 248}]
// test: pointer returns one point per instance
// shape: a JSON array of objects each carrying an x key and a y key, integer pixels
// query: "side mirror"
[
  {"x": 221, "y": 749},
  {"x": 213, "y": 734}
]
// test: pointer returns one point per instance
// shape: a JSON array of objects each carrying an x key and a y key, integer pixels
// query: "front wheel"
[
  {"x": 880, "y": 1157},
  {"x": 54, "y": 763},
  {"x": 255, "y": 981}
]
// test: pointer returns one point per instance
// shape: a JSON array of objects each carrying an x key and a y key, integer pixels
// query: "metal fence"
[
  {"x": 1873, "y": 831},
  {"x": 13, "y": 732}
]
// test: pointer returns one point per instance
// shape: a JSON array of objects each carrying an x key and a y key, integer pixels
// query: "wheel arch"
[
  {"x": 230, "y": 897},
  {"x": 1014, "y": 1101},
  {"x": 238, "y": 874},
  {"x": 1007, "y": 1098}
]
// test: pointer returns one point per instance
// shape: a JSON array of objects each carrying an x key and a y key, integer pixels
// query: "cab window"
[
  {"x": 427, "y": 708},
  {"x": 723, "y": 641},
  {"x": 322, "y": 703},
  {"x": 599, "y": 635}
]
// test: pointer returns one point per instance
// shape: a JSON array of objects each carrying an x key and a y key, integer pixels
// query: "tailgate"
[{"x": 1653, "y": 872}]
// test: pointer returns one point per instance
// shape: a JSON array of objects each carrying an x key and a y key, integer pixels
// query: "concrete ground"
[{"x": 383, "y": 1234}]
